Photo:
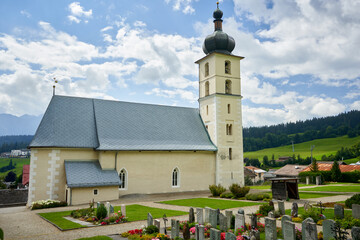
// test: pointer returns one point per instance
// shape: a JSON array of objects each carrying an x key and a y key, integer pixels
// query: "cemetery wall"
[{"x": 13, "y": 196}]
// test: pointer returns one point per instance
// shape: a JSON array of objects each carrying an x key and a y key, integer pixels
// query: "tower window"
[
  {"x": 227, "y": 87},
  {"x": 175, "y": 178},
  {"x": 228, "y": 129},
  {"x": 95, "y": 192},
  {"x": 206, "y": 69},
  {"x": 227, "y": 67},
  {"x": 207, "y": 89},
  {"x": 228, "y": 108},
  {"x": 207, "y": 109},
  {"x": 230, "y": 153},
  {"x": 123, "y": 179},
  {"x": 207, "y": 127}
]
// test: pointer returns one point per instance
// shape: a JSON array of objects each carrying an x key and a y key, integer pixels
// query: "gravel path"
[{"x": 21, "y": 223}]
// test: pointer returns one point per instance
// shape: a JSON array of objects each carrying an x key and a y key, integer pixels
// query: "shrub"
[
  {"x": 47, "y": 204},
  {"x": 355, "y": 199},
  {"x": 226, "y": 195},
  {"x": 238, "y": 191},
  {"x": 216, "y": 190},
  {"x": 257, "y": 196},
  {"x": 348, "y": 222},
  {"x": 312, "y": 213},
  {"x": 151, "y": 229},
  {"x": 353, "y": 177},
  {"x": 265, "y": 209},
  {"x": 85, "y": 213},
  {"x": 101, "y": 212}
]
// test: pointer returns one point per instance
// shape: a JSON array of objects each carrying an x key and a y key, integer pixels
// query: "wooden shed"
[{"x": 283, "y": 188}]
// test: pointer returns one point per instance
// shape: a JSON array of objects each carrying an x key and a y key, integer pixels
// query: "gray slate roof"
[
  {"x": 113, "y": 125},
  {"x": 89, "y": 174}
]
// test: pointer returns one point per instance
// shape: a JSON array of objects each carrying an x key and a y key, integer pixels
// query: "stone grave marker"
[
  {"x": 191, "y": 215},
  {"x": 228, "y": 215},
  {"x": 239, "y": 221},
  {"x": 213, "y": 218},
  {"x": 303, "y": 226},
  {"x": 271, "y": 214},
  {"x": 150, "y": 220},
  {"x": 165, "y": 220},
  {"x": 328, "y": 225},
  {"x": 253, "y": 220},
  {"x": 223, "y": 222},
  {"x": 356, "y": 211},
  {"x": 294, "y": 209},
  {"x": 218, "y": 216},
  {"x": 196, "y": 231},
  {"x": 186, "y": 231},
  {"x": 355, "y": 233},
  {"x": 283, "y": 220},
  {"x": 200, "y": 216},
  {"x": 270, "y": 229},
  {"x": 111, "y": 209},
  {"x": 307, "y": 206},
  {"x": 288, "y": 229},
  {"x": 241, "y": 211},
  {"x": 175, "y": 228},
  {"x": 215, "y": 234},
  {"x": 123, "y": 210},
  {"x": 310, "y": 231},
  {"x": 254, "y": 234},
  {"x": 281, "y": 206},
  {"x": 201, "y": 234},
  {"x": 207, "y": 214},
  {"x": 338, "y": 211},
  {"x": 230, "y": 236},
  {"x": 157, "y": 224}
]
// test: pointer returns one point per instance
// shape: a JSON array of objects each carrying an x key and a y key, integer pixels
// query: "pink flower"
[
  {"x": 192, "y": 230},
  {"x": 103, "y": 223}
]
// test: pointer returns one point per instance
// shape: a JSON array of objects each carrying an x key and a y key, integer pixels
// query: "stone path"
[{"x": 21, "y": 223}]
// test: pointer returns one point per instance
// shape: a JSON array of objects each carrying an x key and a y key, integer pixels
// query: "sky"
[{"x": 302, "y": 57}]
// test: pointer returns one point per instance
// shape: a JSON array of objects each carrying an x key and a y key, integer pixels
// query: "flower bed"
[
  {"x": 47, "y": 204},
  {"x": 89, "y": 215}
]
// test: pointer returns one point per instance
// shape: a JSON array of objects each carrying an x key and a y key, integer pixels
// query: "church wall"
[{"x": 84, "y": 195}]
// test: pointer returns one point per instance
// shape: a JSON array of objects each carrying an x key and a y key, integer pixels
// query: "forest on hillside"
[
  {"x": 257, "y": 138},
  {"x": 8, "y": 143}
]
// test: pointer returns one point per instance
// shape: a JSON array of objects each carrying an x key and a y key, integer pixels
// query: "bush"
[
  {"x": 265, "y": 209},
  {"x": 355, "y": 199},
  {"x": 312, "y": 213},
  {"x": 151, "y": 229},
  {"x": 101, "y": 212},
  {"x": 352, "y": 177},
  {"x": 85, "y": 213},
  {"x": 47, "y": 204},
  {"x": 216, "y": 190},
  {"x": 257, "y": 196},
  {"x": 238, "y": 191},
  {"x": 226, "y": 195}
]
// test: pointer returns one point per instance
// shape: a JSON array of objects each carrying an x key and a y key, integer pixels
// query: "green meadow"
[{"x": 20, "y": 162}]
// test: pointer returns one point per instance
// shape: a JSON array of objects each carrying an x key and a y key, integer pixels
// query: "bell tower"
[{"x": 220, "y": 102}]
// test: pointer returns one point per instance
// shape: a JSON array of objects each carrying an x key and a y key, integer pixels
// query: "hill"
[
  {"x": 23, "y": 125},
  {"x": 20, "y": 162},
  {"x": 326, "y": 146}
]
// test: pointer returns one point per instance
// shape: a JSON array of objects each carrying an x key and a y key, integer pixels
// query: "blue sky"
[{"x": 301, "y": 57}]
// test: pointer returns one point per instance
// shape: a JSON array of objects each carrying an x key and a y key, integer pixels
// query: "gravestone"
[
  {"x": 355, "y": 233},
  {"x": 230, "y": 236},
  {"x": 253, "y": 221},
  {"x": 218, "y": 216},
  {"x": 165, "y": 220},
  {"x": 196, "y": 231},
  {"x": 283, "y": 220},
  {"x": 157, "y": 224},
  {"x": 223, "y": 224},
  {"x": 254, "y": 234},
  {"x": 201, "y": 234},
  {"x": 228, "y": 215},
  {"x": 281, "y": 205},
  {"x": 310, "y": 231},
  {"x": 186, "y": 231},
  {"x": 271, "y": 204},
  {"x": 207, "y": 214},
  {"x": 271, "y": 214},
  {"x": 111, "y": 209},
  {"x": 213, "y": 218},
  {"x": 150, "y": 220},
  {"x": 307, "y": 206},
  {"x": 200, "y": 216},
  {"x": 328, "y": 225},
  {"x": 107, "y": 206},
  {"x": 175, "y": 228},
  {"x": 318, "y": 180},
  {"x": 338, "y": 211},
  {"x": 241, "y": 211},
  {"x": 191, "y": 215},
  {"x": 356, "y": 211},
  {"x": 270, "y": 229},
  {"x": 294, "y": 209},
  {"x": 239, "y": 221},
  {"x": 123, "y": 210},
  {"x": 288, "y": 230},
  {"x": 215, "y": 234},
  {"x": 303, "y": 226}
]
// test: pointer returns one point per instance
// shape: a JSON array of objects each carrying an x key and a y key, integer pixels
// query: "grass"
[
  {"x": 96, "y": 238},
  {"x": 349, "y": 188},
  {"x": 328, "y": 212},
  {"x": 353, "y": 160},
  {"x": 209, "y": 202},
  {"x": 57, "y": 219},
  {"x": 133, "y": 212},
  {"x": 20, "y": 162},
  {"x": 305, "y": 195},
  {"x": 325, "y": 146}
]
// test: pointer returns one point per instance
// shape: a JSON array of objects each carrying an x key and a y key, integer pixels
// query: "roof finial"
[
  {"x": 217, "y": 3},
  {"x": 55, "y": 82}
]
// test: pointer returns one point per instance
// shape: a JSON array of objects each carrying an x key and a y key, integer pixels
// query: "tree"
[
  {"x": 266, "y": 160},
  {"x": 335, "y": 172},
  {"x": 314, "y": 166},
  {"x": 10, "y": 177}
]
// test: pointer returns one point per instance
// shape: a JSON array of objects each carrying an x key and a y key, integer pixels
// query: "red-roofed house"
[
  {"x": 25, "y": 175},
  {"x": 259, "y": 173},
  {"x": 328, "y": 166}
]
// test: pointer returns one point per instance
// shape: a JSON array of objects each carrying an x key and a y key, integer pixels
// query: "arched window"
[
  {"x": 175, "y": 177},
  {"x": 228, "y": 129},
  {"x": 229, "y": 109},
  {"x": 230, "y": 153},
  {"x": 227, "y": 87},
  {"x": 123, "y": 179},
  {"x": 227, "y": 67},
  {"x": 207, "y": 89},
  {"x": 206, "y": 69}
]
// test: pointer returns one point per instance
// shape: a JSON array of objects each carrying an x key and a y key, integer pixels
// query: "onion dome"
[{"x": 218, "y": 41}]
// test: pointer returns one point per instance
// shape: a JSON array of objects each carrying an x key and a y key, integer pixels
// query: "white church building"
[{"x": 88, "y": 149}]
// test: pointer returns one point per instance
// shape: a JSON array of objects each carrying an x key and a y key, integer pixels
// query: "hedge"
[{"x": 352, "y": 177}]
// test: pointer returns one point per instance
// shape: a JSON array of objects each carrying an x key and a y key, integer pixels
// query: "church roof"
[
  {"x": 74, "y": 122},
  {"x": 89, "y": 174}
]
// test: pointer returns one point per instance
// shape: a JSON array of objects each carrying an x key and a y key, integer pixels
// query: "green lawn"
[
  {"x": 20, "y": 162},
  {"x": 328, "y": 212},
  {"x": 325, "y": 146},
  {"x": 133, "y": 212},
  {"x": 353, "y": 160},
  {"x": 305, "y": 195},
  {"x": 349, "y": 188},
  {"x": 209, "y": 202},
  {"x": 96, "y": 238}
]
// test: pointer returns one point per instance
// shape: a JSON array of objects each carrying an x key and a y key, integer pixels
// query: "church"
[{"x": 87, "y": 149}]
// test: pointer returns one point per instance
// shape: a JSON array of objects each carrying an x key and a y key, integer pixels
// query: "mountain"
[{"x": 23, "y": 125}]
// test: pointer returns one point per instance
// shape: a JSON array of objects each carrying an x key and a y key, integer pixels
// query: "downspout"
[{"x": 116, "y": 161}]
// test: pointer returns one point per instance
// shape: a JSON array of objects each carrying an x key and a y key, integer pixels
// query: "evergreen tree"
[
  {"x": 266, "y": 160},
  {"x": 10, "y": 177},
  {"x": 335, "y": 172},
  {"x": 314, "y": 166}
]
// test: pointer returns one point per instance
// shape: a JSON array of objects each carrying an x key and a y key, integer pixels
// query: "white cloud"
[
  {"x": 139, "y": 24},
  {"x": 77, "y": 12},
  {"x": 355, "y": 105},
  {"x": 25, "y": 13},
  {"x": 187, "y": 95},
  {"x": 182, "y": 5}
]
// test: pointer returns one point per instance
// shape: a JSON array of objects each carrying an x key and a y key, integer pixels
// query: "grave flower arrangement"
[{"x": 47, "y": 204}]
